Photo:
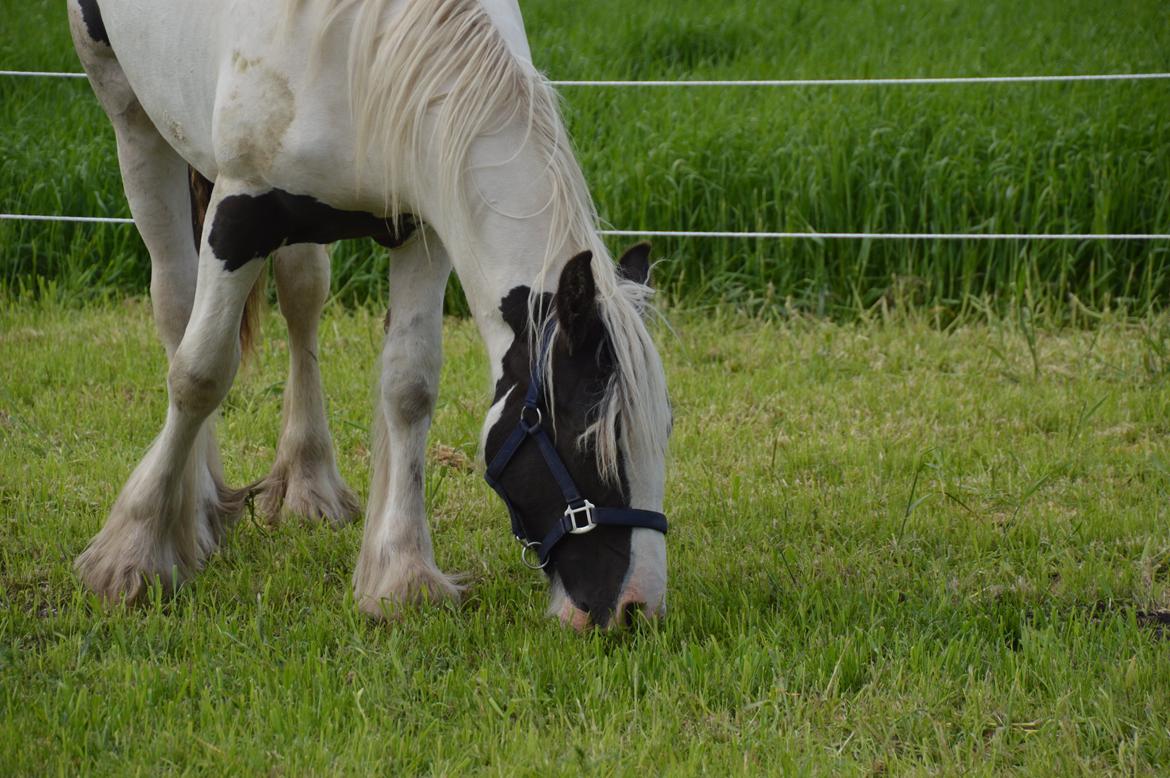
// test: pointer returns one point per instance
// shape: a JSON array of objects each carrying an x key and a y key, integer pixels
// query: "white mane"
[{"x": 447, "y": 59}]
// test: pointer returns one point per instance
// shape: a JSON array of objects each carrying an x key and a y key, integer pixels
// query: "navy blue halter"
[{"x": 580, "y": 516}]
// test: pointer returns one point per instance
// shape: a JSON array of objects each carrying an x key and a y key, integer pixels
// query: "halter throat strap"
[{"x": 581, "y": 516}]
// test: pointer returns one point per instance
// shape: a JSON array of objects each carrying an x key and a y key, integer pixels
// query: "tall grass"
[{"x": 1020, "y": 158}]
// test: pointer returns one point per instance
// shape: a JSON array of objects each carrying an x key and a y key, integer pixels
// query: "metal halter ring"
[
  {"x": 531, "y": 428},
  {"x": 585, "y": 509},
  {"x": 533, "y": 546}
]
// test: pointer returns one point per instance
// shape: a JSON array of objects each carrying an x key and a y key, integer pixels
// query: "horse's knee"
[
  {"x": 410, "y": 395},
  {"x": 197, "y": 386},
  {"x": 411, "y": 362}
]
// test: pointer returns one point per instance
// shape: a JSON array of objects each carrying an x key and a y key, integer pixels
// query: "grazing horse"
[{"x": 424, "y": 125}]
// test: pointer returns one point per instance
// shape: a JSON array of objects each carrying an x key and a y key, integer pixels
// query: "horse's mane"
[{"x": 446, "y": 57}]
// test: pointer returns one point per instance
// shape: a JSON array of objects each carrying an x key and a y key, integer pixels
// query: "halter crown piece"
[{"x": 581, "y": 516}]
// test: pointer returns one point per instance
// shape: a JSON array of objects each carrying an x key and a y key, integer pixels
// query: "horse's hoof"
[
  {"x": 383, "y": 595},
  {"x": 119, "y": 567},
  {"x": 316, "y": 494}
]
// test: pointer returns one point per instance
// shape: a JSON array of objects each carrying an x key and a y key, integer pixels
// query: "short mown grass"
[{"x": 894, "y": 548}]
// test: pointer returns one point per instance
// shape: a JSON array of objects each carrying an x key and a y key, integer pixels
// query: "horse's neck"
[
  {"x": 512, "y": 254},
  {"x": 513, "y": 241},
  {"x": 474, "y": 146}
]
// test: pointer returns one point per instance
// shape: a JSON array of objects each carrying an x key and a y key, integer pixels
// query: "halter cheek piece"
[{"x": 580, "y": 516}]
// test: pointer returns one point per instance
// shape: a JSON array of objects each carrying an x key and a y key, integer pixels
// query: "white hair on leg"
[
  {"x": 167, "y": 520},
  {"x": 151, "y": 533},
  {"x": 304, "y": 480},
  {"x": 396, "y": 564},
  {"x": 148, "y": 536},
  {"x": 219, "y": 506}
]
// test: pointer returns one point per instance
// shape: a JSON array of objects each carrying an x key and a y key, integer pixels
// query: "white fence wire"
[
  {"x": 775, "y": 83},
  {"x": 784, "y": 82},
  {"x": 39, "y": 74},
  {"x": 949, "y": 236}
]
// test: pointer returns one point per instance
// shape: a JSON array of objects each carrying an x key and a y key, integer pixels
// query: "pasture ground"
[
  {"x": 929, "y": 542},
  {"x": 894, "y": 548}
]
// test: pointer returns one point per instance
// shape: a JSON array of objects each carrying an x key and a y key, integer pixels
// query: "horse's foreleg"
[
  {"x": 155, "y": 181},
  {"x": 304, "y": 480},
  {"x": 396, "y": 564},
  {"x": 152, "y": 530}
]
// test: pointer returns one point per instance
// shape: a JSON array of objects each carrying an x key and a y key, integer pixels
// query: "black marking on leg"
[
  {"x": 248, "y": 227},
  {"x": 92, "y": 16}
]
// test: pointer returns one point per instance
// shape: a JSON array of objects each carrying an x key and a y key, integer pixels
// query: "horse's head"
[{"x": 576, "y": 443}]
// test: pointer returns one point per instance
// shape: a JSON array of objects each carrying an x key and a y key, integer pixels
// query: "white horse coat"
[{"x": 322, "y": 119}]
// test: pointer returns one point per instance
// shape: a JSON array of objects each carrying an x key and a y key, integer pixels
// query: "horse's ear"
[
  {"x": 576, "y": 301},
  {"x": 635, "y": 264}
]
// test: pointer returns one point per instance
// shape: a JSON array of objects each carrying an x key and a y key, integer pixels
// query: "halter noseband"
[{"x": 580, "y": 516}]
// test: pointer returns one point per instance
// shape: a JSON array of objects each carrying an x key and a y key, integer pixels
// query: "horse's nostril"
[{"x": 628, "y": 612}]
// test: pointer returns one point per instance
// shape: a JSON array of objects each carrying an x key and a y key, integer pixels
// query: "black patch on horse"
[
  {"x": 92, "y": 16},
  {"x": 248, "y": 227},
  {"x": 517, "y": 364},
  {"x": 592, "y": 567}
]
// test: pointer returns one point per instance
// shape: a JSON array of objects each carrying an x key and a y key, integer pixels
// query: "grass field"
[
  {"x": 1053, "y": 158},
  {"x": 919, "y": 492},
  {"x": 893, "y": 549}
]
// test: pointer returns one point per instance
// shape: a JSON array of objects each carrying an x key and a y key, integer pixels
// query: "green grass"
[
  {"x": 924, "y": 540},
  {"x": 894, "y": 549},
  {"x": 1051, "y": 158}
]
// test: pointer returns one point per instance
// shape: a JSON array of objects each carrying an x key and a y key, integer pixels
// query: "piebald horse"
[{"x": 424, "y": 125}]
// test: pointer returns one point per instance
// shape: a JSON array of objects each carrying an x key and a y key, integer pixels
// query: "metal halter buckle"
[
  {"x": 531, "y": 546},
  {"x": 577, "y": 527},
  {"x": 534, "y": 426}
]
